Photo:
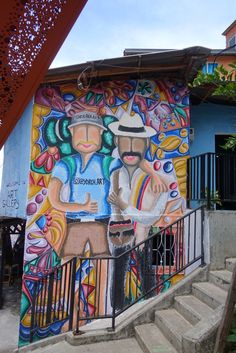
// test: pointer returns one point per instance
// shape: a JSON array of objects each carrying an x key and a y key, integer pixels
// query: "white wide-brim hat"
[{"x": 131, "y": 126}]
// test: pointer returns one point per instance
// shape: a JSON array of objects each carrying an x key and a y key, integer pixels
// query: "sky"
[{"x": 106, "y": 27}]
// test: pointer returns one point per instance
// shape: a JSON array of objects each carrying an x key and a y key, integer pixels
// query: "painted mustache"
[
  {"x": 125, "y": 233},
  {"x": 131, "y": 154}
]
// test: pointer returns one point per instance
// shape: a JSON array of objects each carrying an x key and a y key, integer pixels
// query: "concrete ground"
[
  {"x": 9, "y": 319},
  {"x": 9, "y": 326},
  {"x": 128, "y": 345}
]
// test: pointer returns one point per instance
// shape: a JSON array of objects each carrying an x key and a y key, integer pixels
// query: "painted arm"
[
  {"x": 148, "y": 217},
  {"x": 116, "y": 214},
  {"x": 145, "y": 217},
  {"x": 151, "y": 216},
  {"x": 54, "y": 191},
  {"x": 157, "y": 182}
]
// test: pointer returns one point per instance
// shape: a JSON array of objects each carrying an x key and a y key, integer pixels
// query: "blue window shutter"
[{"x": 211, "y": 67}]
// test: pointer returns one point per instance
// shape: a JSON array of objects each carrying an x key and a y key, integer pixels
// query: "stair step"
[
  {"x": 230, "y": 263},
  {"x": 221, "y": 278},
  {"x": 173, "y": 325},
  {"x": 192, "y": 309},
  {"x": 209, "y": 293},
  {"x": 151, "y": 339}
]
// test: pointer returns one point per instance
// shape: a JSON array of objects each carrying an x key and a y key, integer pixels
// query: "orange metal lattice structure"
[{"x": 31, "y": 33}]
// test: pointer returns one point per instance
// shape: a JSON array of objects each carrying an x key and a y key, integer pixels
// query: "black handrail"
[
  {"x": 149, "y": 266},
  {"x": 211, "y": 179},
  {"x": 53, "y": 298}
]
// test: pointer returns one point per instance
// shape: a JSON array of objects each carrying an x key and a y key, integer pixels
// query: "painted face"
[
  {"x": 86, "y": 138},
  {"x": 131, "y": 149}
]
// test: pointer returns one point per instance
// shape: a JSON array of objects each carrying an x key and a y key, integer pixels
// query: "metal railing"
[
  {"x": 143, "y": 269},
  {"x": 211, "y": 178},
  {"x": 53, "y": 298}
]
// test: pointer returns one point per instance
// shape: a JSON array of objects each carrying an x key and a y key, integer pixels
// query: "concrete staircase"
[
  {"x": 185, "y": 320},
  {"x": 172, "y": 326}
]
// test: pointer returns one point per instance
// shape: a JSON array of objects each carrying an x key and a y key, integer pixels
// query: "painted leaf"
[
  {"x": 49, "y": 164},
  {"x": 89, "y": 95},
  {"x": 171, "y": 143},
  {"x": 181, "y": 112},
  {"x": 40, "y": 160}
]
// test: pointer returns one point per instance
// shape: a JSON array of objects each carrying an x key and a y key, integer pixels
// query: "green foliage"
[
  {"x": 221, "y": 81},
  {"x": 232, "y": 336},
  {"x": 230, "y": 143},
  {"x": 214, "y": 197}
]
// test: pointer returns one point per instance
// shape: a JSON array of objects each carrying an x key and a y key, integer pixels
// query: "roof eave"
[
  {"x": 229, "y": 28},
  {"x": 182, "y": 64}
]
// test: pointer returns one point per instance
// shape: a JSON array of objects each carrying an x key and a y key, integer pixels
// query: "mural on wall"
[{"x": 108, "y": 167}]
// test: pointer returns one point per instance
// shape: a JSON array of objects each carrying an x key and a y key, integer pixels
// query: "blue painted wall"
[
  {"x": 15, "y": 168},
  {"x": 208, "y": 120}
]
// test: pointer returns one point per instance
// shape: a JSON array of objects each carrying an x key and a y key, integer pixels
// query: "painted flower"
[{"x": 47, "y": 159}]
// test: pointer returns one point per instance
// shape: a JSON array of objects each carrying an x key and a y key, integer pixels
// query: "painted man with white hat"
[
  {"x": 131, "y": 191},
  {"x": 132, "y": 195}
]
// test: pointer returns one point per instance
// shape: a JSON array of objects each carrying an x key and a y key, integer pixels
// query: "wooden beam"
[{"x": 112, "y": 72}]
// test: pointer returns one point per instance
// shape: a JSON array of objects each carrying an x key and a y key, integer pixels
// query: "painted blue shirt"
[{"x": 92, "y": 179}]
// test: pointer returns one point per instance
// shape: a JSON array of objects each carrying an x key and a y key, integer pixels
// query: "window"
[
  {"x": 209, "y": 68},
  {"x": 163, "y": 250},
  {"x": 232, "y": 42}
]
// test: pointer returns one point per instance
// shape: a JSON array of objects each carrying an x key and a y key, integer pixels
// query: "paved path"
[
  {"x": 9, "y": 319},
  {"x": 9, "y": 325}
]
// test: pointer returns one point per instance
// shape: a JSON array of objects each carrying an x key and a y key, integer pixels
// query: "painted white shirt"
[{"x": 145, "y": 206}]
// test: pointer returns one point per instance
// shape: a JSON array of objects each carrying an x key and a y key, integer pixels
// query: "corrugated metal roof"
[
  {"x": 213, "y": 52},
  {"x": 223, "y": 52},
  {"x": 204, "y": 94},
  {"x": 133, "y": 51}
]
